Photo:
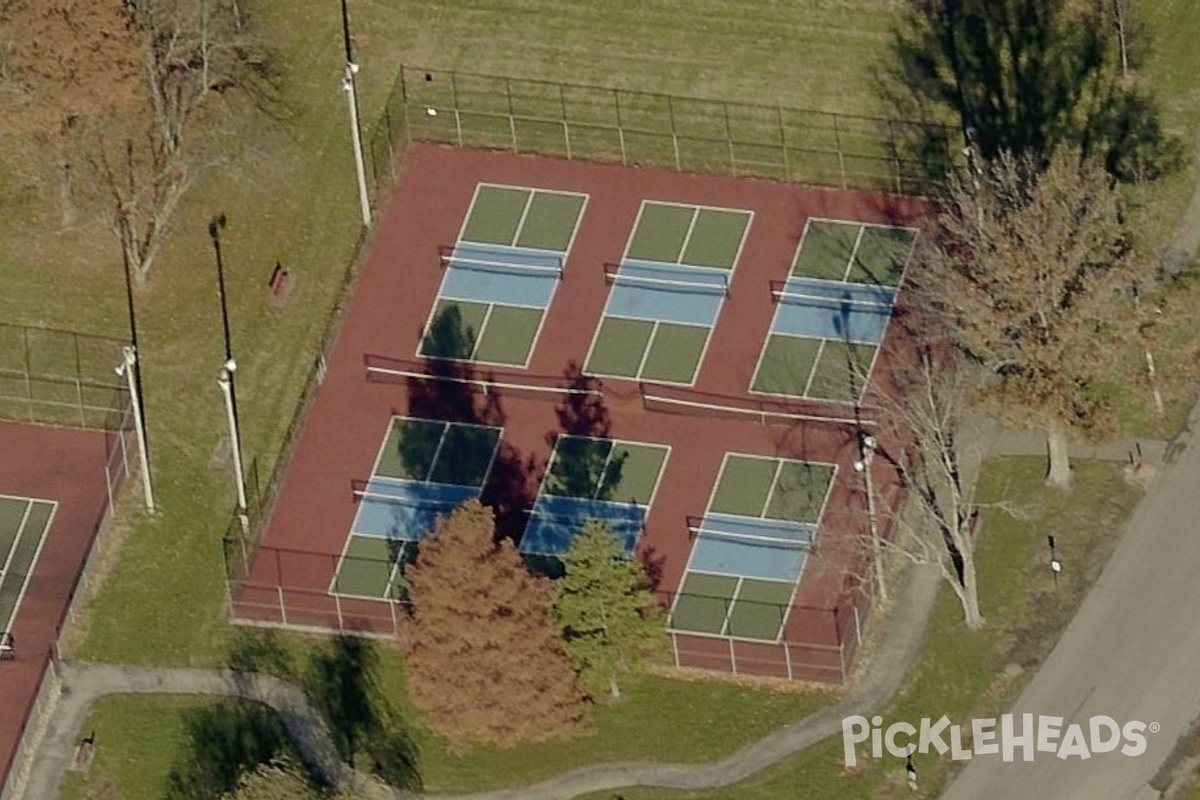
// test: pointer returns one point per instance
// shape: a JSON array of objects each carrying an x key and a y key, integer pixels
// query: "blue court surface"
[
  {"x": 405, "y": 510},
  {"x": 555, "y": 520},
  {"x": 492, "y": 273},
  {"x": 588, "y": 478},
  {"x": 820, "y": 309},
  {"x": 750, "y": 547}
]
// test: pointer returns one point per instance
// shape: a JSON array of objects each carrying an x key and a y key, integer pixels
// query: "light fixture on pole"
[
  {"x": 867, "y": 445},
  {"x": 128, "y": 370},
  {"x": 351, "y": 89},
  {"x": 225, "y": 381}
]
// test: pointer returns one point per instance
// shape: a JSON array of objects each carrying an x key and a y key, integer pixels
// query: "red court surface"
[
  {"x": 290, "y": 577},
  {"x": 65, "y": 466}
]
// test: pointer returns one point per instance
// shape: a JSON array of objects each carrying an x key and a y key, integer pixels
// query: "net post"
[{"x": 620, "y": 126}]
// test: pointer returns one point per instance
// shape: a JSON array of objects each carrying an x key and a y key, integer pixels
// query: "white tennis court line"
[
  {"x": 37, "y": 554},
  {"x": 687, "y": 236},
  {"x": 521, "y": 221},
  {"x": 853, "y": 254}
]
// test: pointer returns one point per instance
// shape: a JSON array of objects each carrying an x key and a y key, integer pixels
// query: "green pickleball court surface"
[
  {"x": 786, "y": 364},
  {"x": 495, "y": 215},
  {"x": 703, "y": 602},
  {"x": 23, "y": 524},
  {"x": 368, "y": 567},
  {"x": 675, "y": 353},
  {"x": 660, "y": 233},
  {"x": 550, "y": 221},
  {"x": 508, "y": 336},
  {"x": 619, "y": 346},
  {"x": 841, "y": 372},
  {"x": 882, "y": 255},
  {"x": 716, "y": 238},
  {"x": 759, "y": 610},
  {"x": 826, "y": 249},
  {"x": 604, "y": 469}
]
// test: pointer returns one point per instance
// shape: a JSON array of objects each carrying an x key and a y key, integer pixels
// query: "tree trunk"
[
  {"x": 969, "y": 596},
  {"x": 1059, "y": 474}
]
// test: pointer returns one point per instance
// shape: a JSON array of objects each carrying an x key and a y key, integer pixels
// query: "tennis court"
[
  {"x": 23, "y": 526},
  {"x": 749, "y": 548},
  {"x": 833, "y": 309},
  {"x": 501, "y": 275},
  {"x": 667, "y": 292},
  {"x": 425, "y": 468},
  {"x": 609, "y": 480}
]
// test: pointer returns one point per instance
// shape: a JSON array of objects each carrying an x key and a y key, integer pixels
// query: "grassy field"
[{"x": 293, "y": 201}]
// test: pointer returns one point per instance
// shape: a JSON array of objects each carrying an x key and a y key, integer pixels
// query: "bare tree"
[
  {"x": 1122, "y": 16},
  {"x": 930, "y": 411},
  {"x": 203, "y": 67},
  {"x": 1031, "y": 273}
]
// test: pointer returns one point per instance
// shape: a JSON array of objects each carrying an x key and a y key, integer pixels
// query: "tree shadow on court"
[
  {"x": 585, "y": 466},
  {"x": 225, "y": 741},
  {"x": 451, "y": 389},
  {"x": 1022, "y": 76},
  {"x": 342, "y": 681}
]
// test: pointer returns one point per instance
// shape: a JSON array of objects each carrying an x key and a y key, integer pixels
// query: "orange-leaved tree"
[{"x": 486, "y": 659}]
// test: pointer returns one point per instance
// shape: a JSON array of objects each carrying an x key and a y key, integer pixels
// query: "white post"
[
  {"x": 225, "y": 382},
  {"x": 356, "y": 136},
  {"x": 867, "y": 445},
  {"x": 126, "y": 368}
]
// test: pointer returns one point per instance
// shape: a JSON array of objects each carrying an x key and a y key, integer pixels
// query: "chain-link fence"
[
  {"x": 59, "y": 377},
  {"x": 660, "y": 130}
]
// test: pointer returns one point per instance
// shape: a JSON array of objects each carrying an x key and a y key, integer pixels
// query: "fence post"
[
  {"x": 78, "y": 382},
  {"x": 675, "y": 648},
  {"x": 28, "y": 372},
  {"x": 729, "y": 138},
  {"x": 562, "y": 106},
  {"x": 620, "y": 126},
  {"x": 512, "y": 119},
  {"x": 837, "y": 142},
  {"x": 674, "y": 132},
  {"x": 787, "y": 168},
  {"x": 732, "y": 656},
  {"x": 454, "y": 99},
  {"x": 895, "y": 154},
  {"x": 337, "y": 605},
  {"x": 787, "y": 657},
  {"x": 282, "y": 605}
]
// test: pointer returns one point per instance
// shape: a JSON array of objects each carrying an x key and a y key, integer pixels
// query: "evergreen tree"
[
  {"x": 609, "y": 617},
  {"x": 486, "y": 659}
]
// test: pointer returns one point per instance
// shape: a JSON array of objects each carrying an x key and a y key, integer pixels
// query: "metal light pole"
[
  {"x": 133, "y": 341},
  {"x": 215, "y": 226},
  {"x": 866, "y": 455},
  {"x": 225, "y": 381},
  {"x": 351, "y": 89},
  {"x": 128, "y": 369}
]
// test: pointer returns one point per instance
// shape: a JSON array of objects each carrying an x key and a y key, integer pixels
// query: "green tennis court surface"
[
  {"x": 23, "y": 526},
  {"x": 667, "y": 292},
  {"x": 827, "y": 368},
  {"x": 501, "y": 275},
  {"x": 742, "y": 571}
]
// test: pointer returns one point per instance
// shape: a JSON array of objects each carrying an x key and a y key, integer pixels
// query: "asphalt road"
[{"x": 1131, "y": 653}]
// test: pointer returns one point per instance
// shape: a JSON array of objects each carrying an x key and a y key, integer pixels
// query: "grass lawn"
[
  {"x": 962, "y": 674},
  {"x": 117, "y": 771}
]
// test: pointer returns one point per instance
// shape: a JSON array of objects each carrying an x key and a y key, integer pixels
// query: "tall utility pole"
[{"x": 351, "y": 89}]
